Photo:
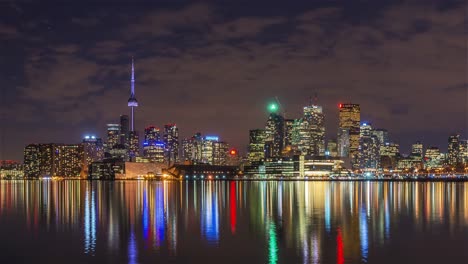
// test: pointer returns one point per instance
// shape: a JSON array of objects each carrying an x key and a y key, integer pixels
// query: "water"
[{"x": 233, "y": 222}]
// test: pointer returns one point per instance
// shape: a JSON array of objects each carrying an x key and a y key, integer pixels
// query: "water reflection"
[{"x": 278, "y": 222}]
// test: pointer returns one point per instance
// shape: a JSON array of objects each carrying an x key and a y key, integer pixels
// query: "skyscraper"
[
  {"x": 113, "y": 136},
  {"x": 382, "y": 135},
  {"x": 332, "y": 148},
  {"x": 369, "y": 149},
  {"x": 93, "y": 151},
  {"x": 256, "y": 145},
  {"x": 153, "y": 146},
  {"x": 343, "y": 142},
  {"x": 316, "y": 121},
  {"x": 171, "y": 143},
  {"x": 274, "y": 133},
  {"x": 350, "y": 118},
  {"x": 288, "y": 131},
  {"x": 124, "y": 130},
  {"x": 417, "y": 148},
  {"x": 192, "y": 148},
  {"x": 453, "y": 150}
]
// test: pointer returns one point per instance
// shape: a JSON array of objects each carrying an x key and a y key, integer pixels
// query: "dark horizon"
[{"x": 213, "y": 67}]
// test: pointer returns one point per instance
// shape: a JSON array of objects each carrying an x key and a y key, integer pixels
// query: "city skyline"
[{"x": 79, "y": 86}]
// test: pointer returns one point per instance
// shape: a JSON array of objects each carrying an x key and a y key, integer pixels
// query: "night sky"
[{"x": 214, "y": 66}]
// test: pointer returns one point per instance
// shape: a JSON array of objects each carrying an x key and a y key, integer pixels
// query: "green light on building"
[{"x": 273, "y": 107}]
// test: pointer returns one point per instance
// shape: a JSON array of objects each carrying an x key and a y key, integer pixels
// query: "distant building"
[
  {"x": 171, "y": 143},
  {"x": 113, "y": 136},
  {"x": 93, "y": 151},
  {"x": 124, "y": 130},
  {"x": 350, "y": 119},
  {"x": 332, "y": 148},
  {"x": 288, "y": 132},
  {"x": 53, "y": 160},
  {"x": 10, "y": 169},
  {"x": 417, "y": 148},
  {"x": 369, "y": 149},
  {"x": 453, "y": 158},
  {"x": 389, "y": 155},
  {"x": 256, "y": 145},
  {"x": 153, "y": 146},
  {"x": 308, "y": 135},
  {"x": 134, "y": 145},
  {"x": 382, "y": 135},
  {"x": 192, "y": 148},
  {"x": 274, "y": 135},
  {"x": 432, "y": 158},
  {"x": 343, "y": 142}
]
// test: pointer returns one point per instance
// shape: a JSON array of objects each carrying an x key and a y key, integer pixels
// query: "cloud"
[{"x": 8, "y": 32}]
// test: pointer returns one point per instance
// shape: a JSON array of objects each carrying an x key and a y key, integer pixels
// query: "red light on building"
[
  {"x": 340, "y": 105},
  {"x": 233, "y": 152}
]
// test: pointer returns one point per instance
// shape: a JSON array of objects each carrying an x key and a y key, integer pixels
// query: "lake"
[{"x": 233, "y": 222}]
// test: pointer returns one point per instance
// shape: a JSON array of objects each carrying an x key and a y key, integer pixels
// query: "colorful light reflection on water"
[{"x": 232, "y": 222}]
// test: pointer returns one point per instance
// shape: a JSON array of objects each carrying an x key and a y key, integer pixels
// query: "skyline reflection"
[{"x": 274, "y": 222}]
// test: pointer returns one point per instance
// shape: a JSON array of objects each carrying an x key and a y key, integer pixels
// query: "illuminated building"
[
  {"x": 381, "y": 134},
  {"x": 432, "y": 158},
  {"x": 274, "y": 133},
  {"x": 332, "y": 148},
  {"x": 124, "y": 130},
  {"x": 220, "y": 153},
  {"x": 464, "y": 151},
  {"x": 153, "y": 147},
  {"x": 106, "y": 169},
  {"x": 343, "y": 142},
  {"x": 10, "y": 169},
  {"x": 412, "y": 162},
  {"x": 256, "y": 145},
  {"x": 389, "y": 154},
  {"x": 417, "y": 148},
  {"x": 192, "y": 148},
  {"x": 301, "y": 137},
  {"x": 288, "y": 131},
  {"x": 350, "y": 118},
  {"x": 134, "y": 145},
  {"x": 93, "y": 151},
  {"x": 309, "y": 134},
  {"x": 68, "y": 160},
  {"x": 369, "y": 148},
  {"x": 113, "y": 136},
  {"x": 171, "y": 142},
  {"x": 54, "y": 160},
  {"x": 453, "y": 150}
]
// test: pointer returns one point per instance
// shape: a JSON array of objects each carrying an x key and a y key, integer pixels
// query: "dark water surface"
[{"x": 233, "y": 222}]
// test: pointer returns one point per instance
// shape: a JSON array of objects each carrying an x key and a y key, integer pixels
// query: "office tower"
[
  {"x": 220, "y": 153},
  {"x": 350, "y": 118},
  {"x": 369, "y": 156},
  {"x": 274, "y": 134},
  {"x": 171, "y": 142},
  {"x": 417, "y": 148},
  {"x": 432, "y": 158},
  {"x": 301, "y": 136},
  {"x": 207, "y": 149},
  {"x": 113, "y": 136},
  {"x": 365, "y": 130},
  {"x": 192, "y": 148},
  {"x": 256, "y": 145},
  {"x": 288, "y": 131},
  {"x": 316, "y": 122},
  {"x": 93, "y": 151},
  {"x": 343, "y": 142},
  {"x": 153, "y": 146},
  {"x": 453, "y": 150},
  {"x": 332, "y": 148},
  {"x": 124, "y": 130},
  {"x": 463, "y": 156},
  {"x": 382, "y": 135},
  {"x": 134, "y": 145},
  {"x": 389, "y": 155}
]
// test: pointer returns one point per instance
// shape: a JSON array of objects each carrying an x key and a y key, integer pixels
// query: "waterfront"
[{"x": 232, "y": 222}]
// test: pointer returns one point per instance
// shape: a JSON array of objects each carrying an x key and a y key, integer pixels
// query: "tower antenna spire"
[{"x": 132, "y": 101}]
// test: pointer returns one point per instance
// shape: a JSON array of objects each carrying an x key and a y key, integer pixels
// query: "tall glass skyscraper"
[{"x": 350, "y": 118}]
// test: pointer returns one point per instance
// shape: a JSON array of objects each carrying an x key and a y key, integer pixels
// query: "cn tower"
[{"x": 132, "y": 101}]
